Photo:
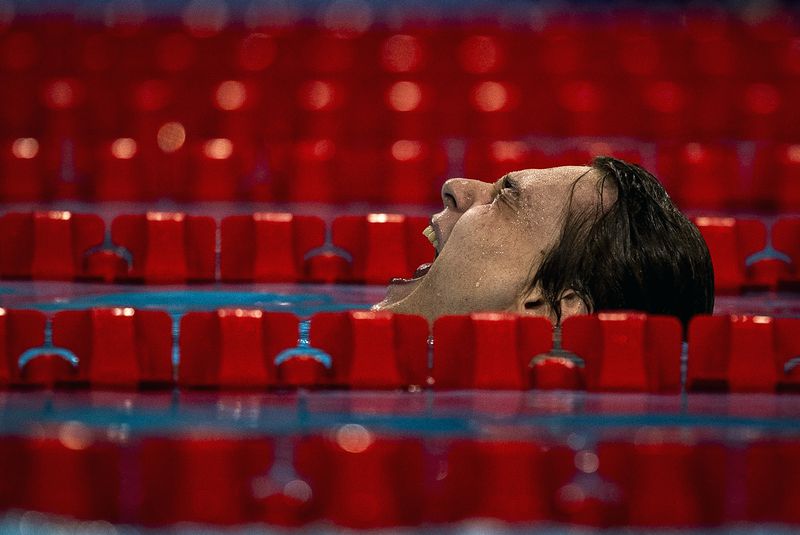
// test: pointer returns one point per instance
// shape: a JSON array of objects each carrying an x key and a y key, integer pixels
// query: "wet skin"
[{"x": 490, "y": 239}]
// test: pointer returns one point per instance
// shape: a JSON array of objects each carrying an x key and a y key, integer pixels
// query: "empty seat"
[
  {"x": 627, "y": 351},
  {"x": 117, "y": 347},
  {"x": 76, "y": 458},
  {"x": 383, "y": 246},
  {"x": 268, "y": 247},
  {"x": 743, "y": 353},
  {"x": 509, "y": 480},
  {"x": 48, "y": 245},
  {"x": 489, "y": 350},
  {"x": 167, "y": 247},
  {"x": 776, "y": 177},
  {"x": 661, "y": 481},
  {"x": 730, "y": 242},
  {"x": 119, "y": 173},
  {"x": 20, "y": 330},
  {"x": 218, "y": 169},
  {"x": 786, "y": 239},
  {"x": 373, "y": 349},
  {"x": 361, "y": 480},
  {"x": 181, "y": 479},
  {"x": 702, "y": 176},
  {"x": 771, "y": 470},
  {"x": 234, "y": 348},
  {"x": 22, "y": 171}
]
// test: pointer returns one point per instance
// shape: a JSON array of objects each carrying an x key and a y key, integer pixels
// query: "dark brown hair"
[{"x": 641, "y": 253}]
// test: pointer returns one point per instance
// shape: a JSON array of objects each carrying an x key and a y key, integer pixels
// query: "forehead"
[{"x": 554, "y": 176}]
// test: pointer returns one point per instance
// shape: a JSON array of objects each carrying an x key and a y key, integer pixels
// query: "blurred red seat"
[
  {"x": 786, "y": 239},
  {"x": 730, "y": 242},
  {"x": 117, "y": 347},
  {"x": 413, "y": 172},
  {"x": 218, "y": 170},
  {"x": 167, "y": 247},
  {"x": 383, "y": 246},
  {"x": 627, "y": 351},
  {"x": 771, "y": 471},
  {"x": 268, "y": 247},
  {"x": 206, "y": 479},
  {"x": 373, "y": 349},
  {"x": 22, "y": 171},
  {"x": 119, "y": 172},
  {"x": 663, "y": 482},
  {"x": 20, "y": 330},
  {"x": 776, "y": 178},
  {"x": 506, "y": 480},
  {"x": 71, "y": 456},
  {"x": 360, "y": 480},
  {"x": 489, "y": 350},
  {"x": 48, "y": 245},
  {"x": 702, "y": 176},
  {"x": 233, "y": 348},
  {"x": 743, "y": 353}
]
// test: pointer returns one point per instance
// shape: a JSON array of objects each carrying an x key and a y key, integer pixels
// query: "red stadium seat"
[
  {"x": 20, "y": 330},
  {"x": 664, "y": 483},
  {"x": 373, "y": 349},
  {"x": 268, "y": 247},
  {"x": 48, "y": 245},
  {"x": 743, "y": 353},
  {"x": 119, "y": 173},
  {"x": 763, "y": 105},
  {"x": 730, "y": 242},
  {"x": 414, "y": 172},
  {"x": 786, "y": 239},
  {"x": 488, "y": 350},
  {"x": 218, "y": 169},
  {"x": 307, "y": 171},
  {"x": 665, "y": 106},
  {"x": 776, "y": 178},
  {"x": 207, "y": 479},
  {"x": 233, "y": 348},
  {"x": 772, "y": 469},
  {"x": 167, "y": 247},
  {"x": 702, "y": 176},
  {"x": 363, "y": 481},
  {"x": 383, "y": 246},
  {"x": 627, "y": 351},
  {"x": 117, "y": 347},
  {"x": 22, "y": 171},
  {"x": 512, "y": 481},
  {"x": 76, "y": 458}
]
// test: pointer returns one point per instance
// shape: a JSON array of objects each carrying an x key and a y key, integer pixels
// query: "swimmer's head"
[{"x": 559, "y": 242}]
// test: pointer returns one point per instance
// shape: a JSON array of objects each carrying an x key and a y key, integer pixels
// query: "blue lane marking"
[
  {"x": 316, "y": 354},
  {"x": 178, "y": 302}
]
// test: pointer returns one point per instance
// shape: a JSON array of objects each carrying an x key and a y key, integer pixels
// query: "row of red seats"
[
  {"x": 241, "y": 348},
  {"x": 706, "y": 176},
  {"x": 165, "y": 166},
  {"x": 352, "y": 477},
  {"x": 363, "y": 109},
  {"x": 161, "y": 247},
  {"x": 683, "y": 43}
]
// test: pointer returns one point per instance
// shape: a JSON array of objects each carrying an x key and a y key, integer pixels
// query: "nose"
[{"x": 461, "y": 194}]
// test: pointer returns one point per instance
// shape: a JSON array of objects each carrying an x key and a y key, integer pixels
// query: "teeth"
[{"x": 431, "y": 235}]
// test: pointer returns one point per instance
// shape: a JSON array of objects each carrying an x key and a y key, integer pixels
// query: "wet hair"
[{"x": 640, "y": 253}]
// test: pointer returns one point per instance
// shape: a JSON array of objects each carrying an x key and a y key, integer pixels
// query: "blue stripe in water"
[{"x": 178, "y": 302}]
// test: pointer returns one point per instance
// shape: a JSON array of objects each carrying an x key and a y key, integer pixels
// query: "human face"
[{"x": 490, "y": 239}]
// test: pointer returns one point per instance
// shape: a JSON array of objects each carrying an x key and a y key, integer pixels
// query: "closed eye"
[{"x": 535, "y": 304}]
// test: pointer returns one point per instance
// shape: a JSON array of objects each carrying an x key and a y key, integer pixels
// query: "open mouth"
[{"x": 423, "y": 269}]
